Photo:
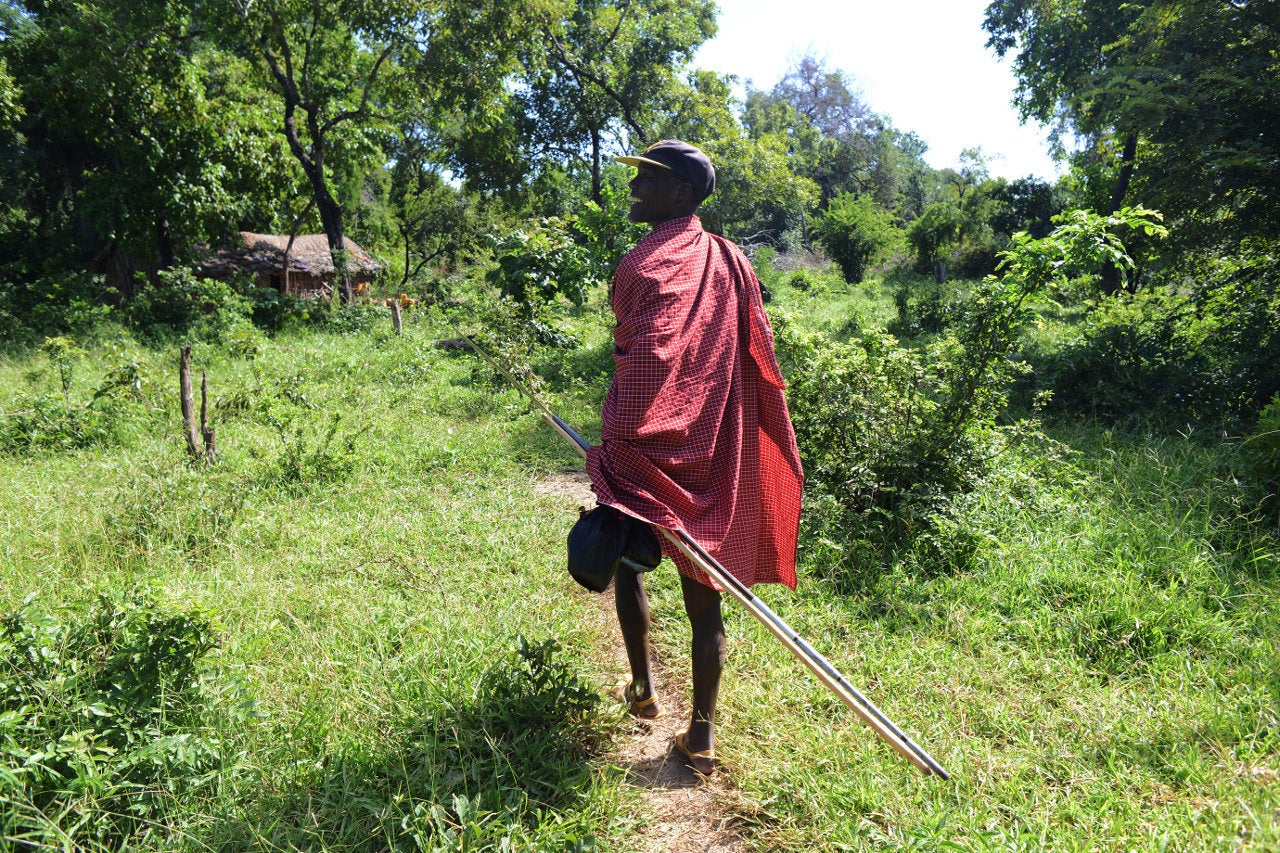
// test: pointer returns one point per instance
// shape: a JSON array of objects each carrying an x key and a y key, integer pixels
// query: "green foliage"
[
  {"x": 1187, "y": 83},
  {"x": 311, "y": 454},
  {"x": 596, "y": 70},
  {"x": 104, "y": 724},
  {"x": 180, "y": 303},
  {"x": 934, "y": 234},
  {"x": 1264, "y": 444},
  {"x": 35, "y": 421},
  {"x": 890, "y": 435},
  {"x": 856, "y": 234},
  {"x": 1203, "y": 351},
  {"x": 48, "y": 423},
  {"x": 834, "y": 140},
  {"x": 541, "y": 263},
  {"x": 865, "y": 420},
  {"x": 56, "y": 303},
  {"x": 925, "y": 307},
  {"x": 63, "y": 353}
]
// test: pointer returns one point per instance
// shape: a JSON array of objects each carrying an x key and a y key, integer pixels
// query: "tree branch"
[{"x": 580, "y": 71}]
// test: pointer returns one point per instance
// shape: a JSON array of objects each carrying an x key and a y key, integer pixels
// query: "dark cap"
[{"x": 688, "y": 163}]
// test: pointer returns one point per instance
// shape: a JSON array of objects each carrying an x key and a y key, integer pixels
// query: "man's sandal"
[
  {"x": 645, "y": 709},
  {"x": 703, "y": 762}
]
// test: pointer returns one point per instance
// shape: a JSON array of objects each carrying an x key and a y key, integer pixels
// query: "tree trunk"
[
  {"x": 596, "y": 182},
  {"x": 164, "y": 245},
  {"x": 1111, "y": 279}
]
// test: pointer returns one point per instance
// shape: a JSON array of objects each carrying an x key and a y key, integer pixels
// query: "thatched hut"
[{"x": 310, "y": 266}]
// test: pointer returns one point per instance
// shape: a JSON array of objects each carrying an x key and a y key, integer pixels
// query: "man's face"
[{"x": 657, "y": 195}]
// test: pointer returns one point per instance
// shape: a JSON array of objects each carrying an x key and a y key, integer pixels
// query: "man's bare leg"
[
  {"x": 702, "y": 604},
  {"x": 632, "y": 606}
]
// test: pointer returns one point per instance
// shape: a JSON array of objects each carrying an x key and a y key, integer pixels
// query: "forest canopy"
[{"x": 138, "y": 137}]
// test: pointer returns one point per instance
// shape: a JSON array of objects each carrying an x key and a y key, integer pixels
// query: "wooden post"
[
  {"x": 395, "y": 315},
  {"x": 188, "y": 405},
  {"x": 210, "y": 438}
]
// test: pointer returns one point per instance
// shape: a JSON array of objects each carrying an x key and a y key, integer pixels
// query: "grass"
[{"x": 1090, "y": 647}]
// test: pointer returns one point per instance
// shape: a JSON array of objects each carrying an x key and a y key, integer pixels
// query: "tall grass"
[{"x": 1089, "y": 645}]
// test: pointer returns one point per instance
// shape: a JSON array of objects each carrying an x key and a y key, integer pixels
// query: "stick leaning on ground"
[{"x": 822, "y": 669}]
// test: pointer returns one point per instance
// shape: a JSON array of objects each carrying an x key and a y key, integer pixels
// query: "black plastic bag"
[{"x": 605, "y": 538}]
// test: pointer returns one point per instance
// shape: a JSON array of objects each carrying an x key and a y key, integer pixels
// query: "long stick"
[{"x": 827, "y": 674}]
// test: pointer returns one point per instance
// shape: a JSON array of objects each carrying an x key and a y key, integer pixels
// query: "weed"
[{"x": 103, "y": 723}]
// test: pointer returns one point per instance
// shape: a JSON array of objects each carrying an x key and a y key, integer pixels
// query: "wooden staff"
[{"x": 827, "y": 674}]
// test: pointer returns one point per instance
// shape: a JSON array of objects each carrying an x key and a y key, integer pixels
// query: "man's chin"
[{"x": 636, "y": 213}]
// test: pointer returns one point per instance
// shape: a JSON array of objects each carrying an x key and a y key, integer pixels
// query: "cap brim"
[{"x": 636, "y": 161}]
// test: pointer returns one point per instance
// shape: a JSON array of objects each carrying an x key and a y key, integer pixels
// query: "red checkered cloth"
[{"x": 697, "y": 436}]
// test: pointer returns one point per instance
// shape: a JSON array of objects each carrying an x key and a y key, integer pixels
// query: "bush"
[
  {"x": 856, "y": 232},
  {"x": 180, "y": 302},
  {"x": 103, "y": 723},
  {"x": 868, "y": 422},
  {"x": 44, "y": 422},
  {"x": 888, "y": 435},
  {"x": 1264, "y": 444},
  {"x": 1204, "y": 353}
]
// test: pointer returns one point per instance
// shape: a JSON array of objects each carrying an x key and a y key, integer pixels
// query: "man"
[{"x": 696, "y": 432}]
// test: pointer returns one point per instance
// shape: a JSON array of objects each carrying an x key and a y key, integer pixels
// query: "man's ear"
[{"x": 684, "y": 195}]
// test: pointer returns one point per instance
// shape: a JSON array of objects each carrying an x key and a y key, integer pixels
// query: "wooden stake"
[
  {"x": 188, "y": 405},
  {"x": 210, "y": 439}
]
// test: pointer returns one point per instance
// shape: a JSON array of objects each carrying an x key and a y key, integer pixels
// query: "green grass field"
[{"x": 402, "y": 663}]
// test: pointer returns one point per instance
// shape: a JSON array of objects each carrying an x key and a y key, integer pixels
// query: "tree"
[
  {"x": 1173, "y": 92},
  {"x": 1026, "y": 204},
  {"x": 10, "y": 98},
  {"x": 433, "y": 220},
  {"x": 128, "y": 154},
  {"x": 604, "y": 70},
  {"x": 834, "y": 138},
  {"x": 955, "y": 227},
  {"x": 856, "y": 232},
  {"x": 342, "y": 69}
]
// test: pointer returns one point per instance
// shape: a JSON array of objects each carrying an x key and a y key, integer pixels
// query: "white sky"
[{"x": 922, "y": 63}]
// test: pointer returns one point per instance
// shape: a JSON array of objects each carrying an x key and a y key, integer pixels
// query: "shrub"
[
  {"x": 40, "y": 422},
  {"x": 1264, "y": 443},
  {"x": 1202, "y": 353},
  {"x": 888, "y": 435},
  {"x": 48, "y": 423},
  {"x": 542, "y": 263},
  {"x": 880, "y": 459},
  {"x": 180, "y": 302},
  {"x": 103, "y": 723},
  {"x": 856, "y": 232}
]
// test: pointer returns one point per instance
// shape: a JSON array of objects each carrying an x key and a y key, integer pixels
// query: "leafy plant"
[
  {"x": 103, "y": 723},
  {"x": 856, "y": 232},
  {"x": 311, "y": 453},
  {"x": 179, "y": 302},
  {"x": 1264, "y": 442},
  {"x": 888, "y": 434},
  {"x": 541, "y": 263},
  {"x": 63, "y": 353}
]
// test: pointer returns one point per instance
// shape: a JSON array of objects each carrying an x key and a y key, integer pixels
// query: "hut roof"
[{"x": 261, "y": 253}]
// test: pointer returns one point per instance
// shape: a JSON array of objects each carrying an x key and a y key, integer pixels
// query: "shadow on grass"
[{"x": 492, "y": 770}]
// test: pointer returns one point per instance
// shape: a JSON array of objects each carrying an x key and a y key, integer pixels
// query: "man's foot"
[
  {"x": 702, "y": 761},
  {"x": 644, "y": 707}
]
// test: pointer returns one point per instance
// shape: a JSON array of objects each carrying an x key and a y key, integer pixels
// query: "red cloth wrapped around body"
[{"x": 696, "y": 432}]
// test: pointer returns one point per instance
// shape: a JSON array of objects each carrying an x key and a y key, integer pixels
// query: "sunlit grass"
[{"x": 1090, "y": 646}]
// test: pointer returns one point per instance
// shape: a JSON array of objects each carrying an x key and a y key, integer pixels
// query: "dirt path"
[{"x": 685, "y": 813}]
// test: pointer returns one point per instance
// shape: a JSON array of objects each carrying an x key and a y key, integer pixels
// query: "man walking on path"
[{"x": 696, "y": 433}]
